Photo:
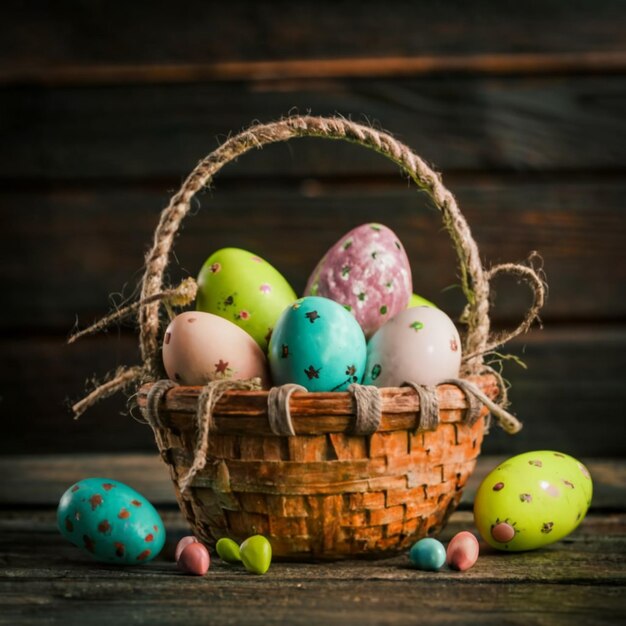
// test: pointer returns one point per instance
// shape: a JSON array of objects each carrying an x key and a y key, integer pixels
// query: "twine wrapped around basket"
[{"x": 321, "y": 475}]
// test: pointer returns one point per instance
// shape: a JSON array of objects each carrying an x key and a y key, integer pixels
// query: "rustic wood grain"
[
  {"x": 71, "y": 31},
  {"x": 560, "y": 583},
  {"x": 83, "y": 243},
  {"x": 562, "y": 63},
  {"x": 508, "y": 123},
  {"x": 522, "y": 106}
]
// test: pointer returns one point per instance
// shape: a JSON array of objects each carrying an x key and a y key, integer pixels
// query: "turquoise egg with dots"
[
  {"x": 110, "y": 522},
  {"x": 318, "y": 344}
]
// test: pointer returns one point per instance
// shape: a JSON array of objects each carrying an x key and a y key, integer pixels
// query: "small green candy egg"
[
  {"x": 228, "y": 550},
  {"x": 256, "y": 554}
]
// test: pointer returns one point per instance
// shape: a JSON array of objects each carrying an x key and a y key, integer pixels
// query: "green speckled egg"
[
  {"x": 532, "y": 500},
  {"x": 416, "y": 300},
  {"x": 245, "y": 289},
  {"x": 110, "y": 521}
]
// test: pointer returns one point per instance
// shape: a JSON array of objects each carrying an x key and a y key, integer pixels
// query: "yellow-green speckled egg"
[
  {"x": 244, "y": 289},
  {"x": 532, "y": 500},
  {"x": 417, "y": 300}
]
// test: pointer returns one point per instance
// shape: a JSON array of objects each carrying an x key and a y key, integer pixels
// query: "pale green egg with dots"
[
  {"x": 245, "y": 289},
  {"x": 532, "y": 500},
  {"x": 417, "y": 300}
]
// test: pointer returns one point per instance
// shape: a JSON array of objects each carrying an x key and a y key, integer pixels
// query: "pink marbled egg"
[{"x": 368, "y": 272}]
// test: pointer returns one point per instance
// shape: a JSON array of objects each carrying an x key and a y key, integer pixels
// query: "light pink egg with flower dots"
[{"x": 420, "y": 345}]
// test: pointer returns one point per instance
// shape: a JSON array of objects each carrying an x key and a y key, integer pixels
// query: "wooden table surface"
[{"x": 45, "y": 580}]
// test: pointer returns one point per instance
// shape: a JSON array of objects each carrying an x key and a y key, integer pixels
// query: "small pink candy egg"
[
  {"x": 194, "y": 559},
  {"x": 182, "y": 544},
  {"x": 462, "y": 551}
]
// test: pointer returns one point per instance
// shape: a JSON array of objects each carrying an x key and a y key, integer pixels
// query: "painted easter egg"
[
  {"x": 200, "y": 347},
  {"x": 417, "y": 300},
  {"x": 244, "y": 289},
  {"x": 316, "y": 343},
  {"x": 368, "y": 272},
  {"x": 421, "y": 345},
  {"x": 532, "y": 500},
  {"x": 110, "y": 521}
]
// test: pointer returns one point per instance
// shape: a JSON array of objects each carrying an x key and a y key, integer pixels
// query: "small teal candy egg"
[
  {"x": 318, "y": 344},
  {"x": 428, "y": 554},
  {"x": 110, "y": 521}
]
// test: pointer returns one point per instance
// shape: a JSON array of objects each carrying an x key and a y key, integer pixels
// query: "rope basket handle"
[{"x": 474, "y": 279}]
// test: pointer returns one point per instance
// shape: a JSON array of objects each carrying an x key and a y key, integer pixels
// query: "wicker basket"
[
  {"x": 325, "y": 493},
  {"x": 331, "y": 490}
]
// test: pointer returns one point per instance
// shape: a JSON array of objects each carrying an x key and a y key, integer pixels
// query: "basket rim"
[{"x": 313, "y": 413}]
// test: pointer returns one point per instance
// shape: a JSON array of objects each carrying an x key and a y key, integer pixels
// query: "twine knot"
[{"x": 369, "y": 406}]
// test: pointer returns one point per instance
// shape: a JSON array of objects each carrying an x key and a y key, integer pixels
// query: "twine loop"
[
  {"x": 278, "y": 412},
  {"x": 429, "y": 406},
  {"x": 368, "y": 411},
  {"x": 209, "y": 397},
  {"x": 469, "y": 390},
  {"x": 153, "y": 400}
]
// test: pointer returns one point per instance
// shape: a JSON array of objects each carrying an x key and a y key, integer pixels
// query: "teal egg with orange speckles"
[
  {"x": 532, "y": 500},
  {"x": 318, "y": 344},
  {"x": 111, "y": 522}
]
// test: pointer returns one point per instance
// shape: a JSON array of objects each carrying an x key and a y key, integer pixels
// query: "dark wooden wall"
[{"x": 106, "y": 106}]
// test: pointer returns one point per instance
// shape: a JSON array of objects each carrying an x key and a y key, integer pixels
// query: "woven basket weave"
[{"x": 325, "y": 493}]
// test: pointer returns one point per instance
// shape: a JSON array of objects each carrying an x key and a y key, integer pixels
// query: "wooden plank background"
[{"x": 105, "y": 107}]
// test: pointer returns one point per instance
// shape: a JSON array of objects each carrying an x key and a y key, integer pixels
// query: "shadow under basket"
[{"x": 324, "y": 493}]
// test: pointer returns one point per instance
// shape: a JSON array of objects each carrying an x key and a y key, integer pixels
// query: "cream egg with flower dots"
[{"x": 420, "y": 345}]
